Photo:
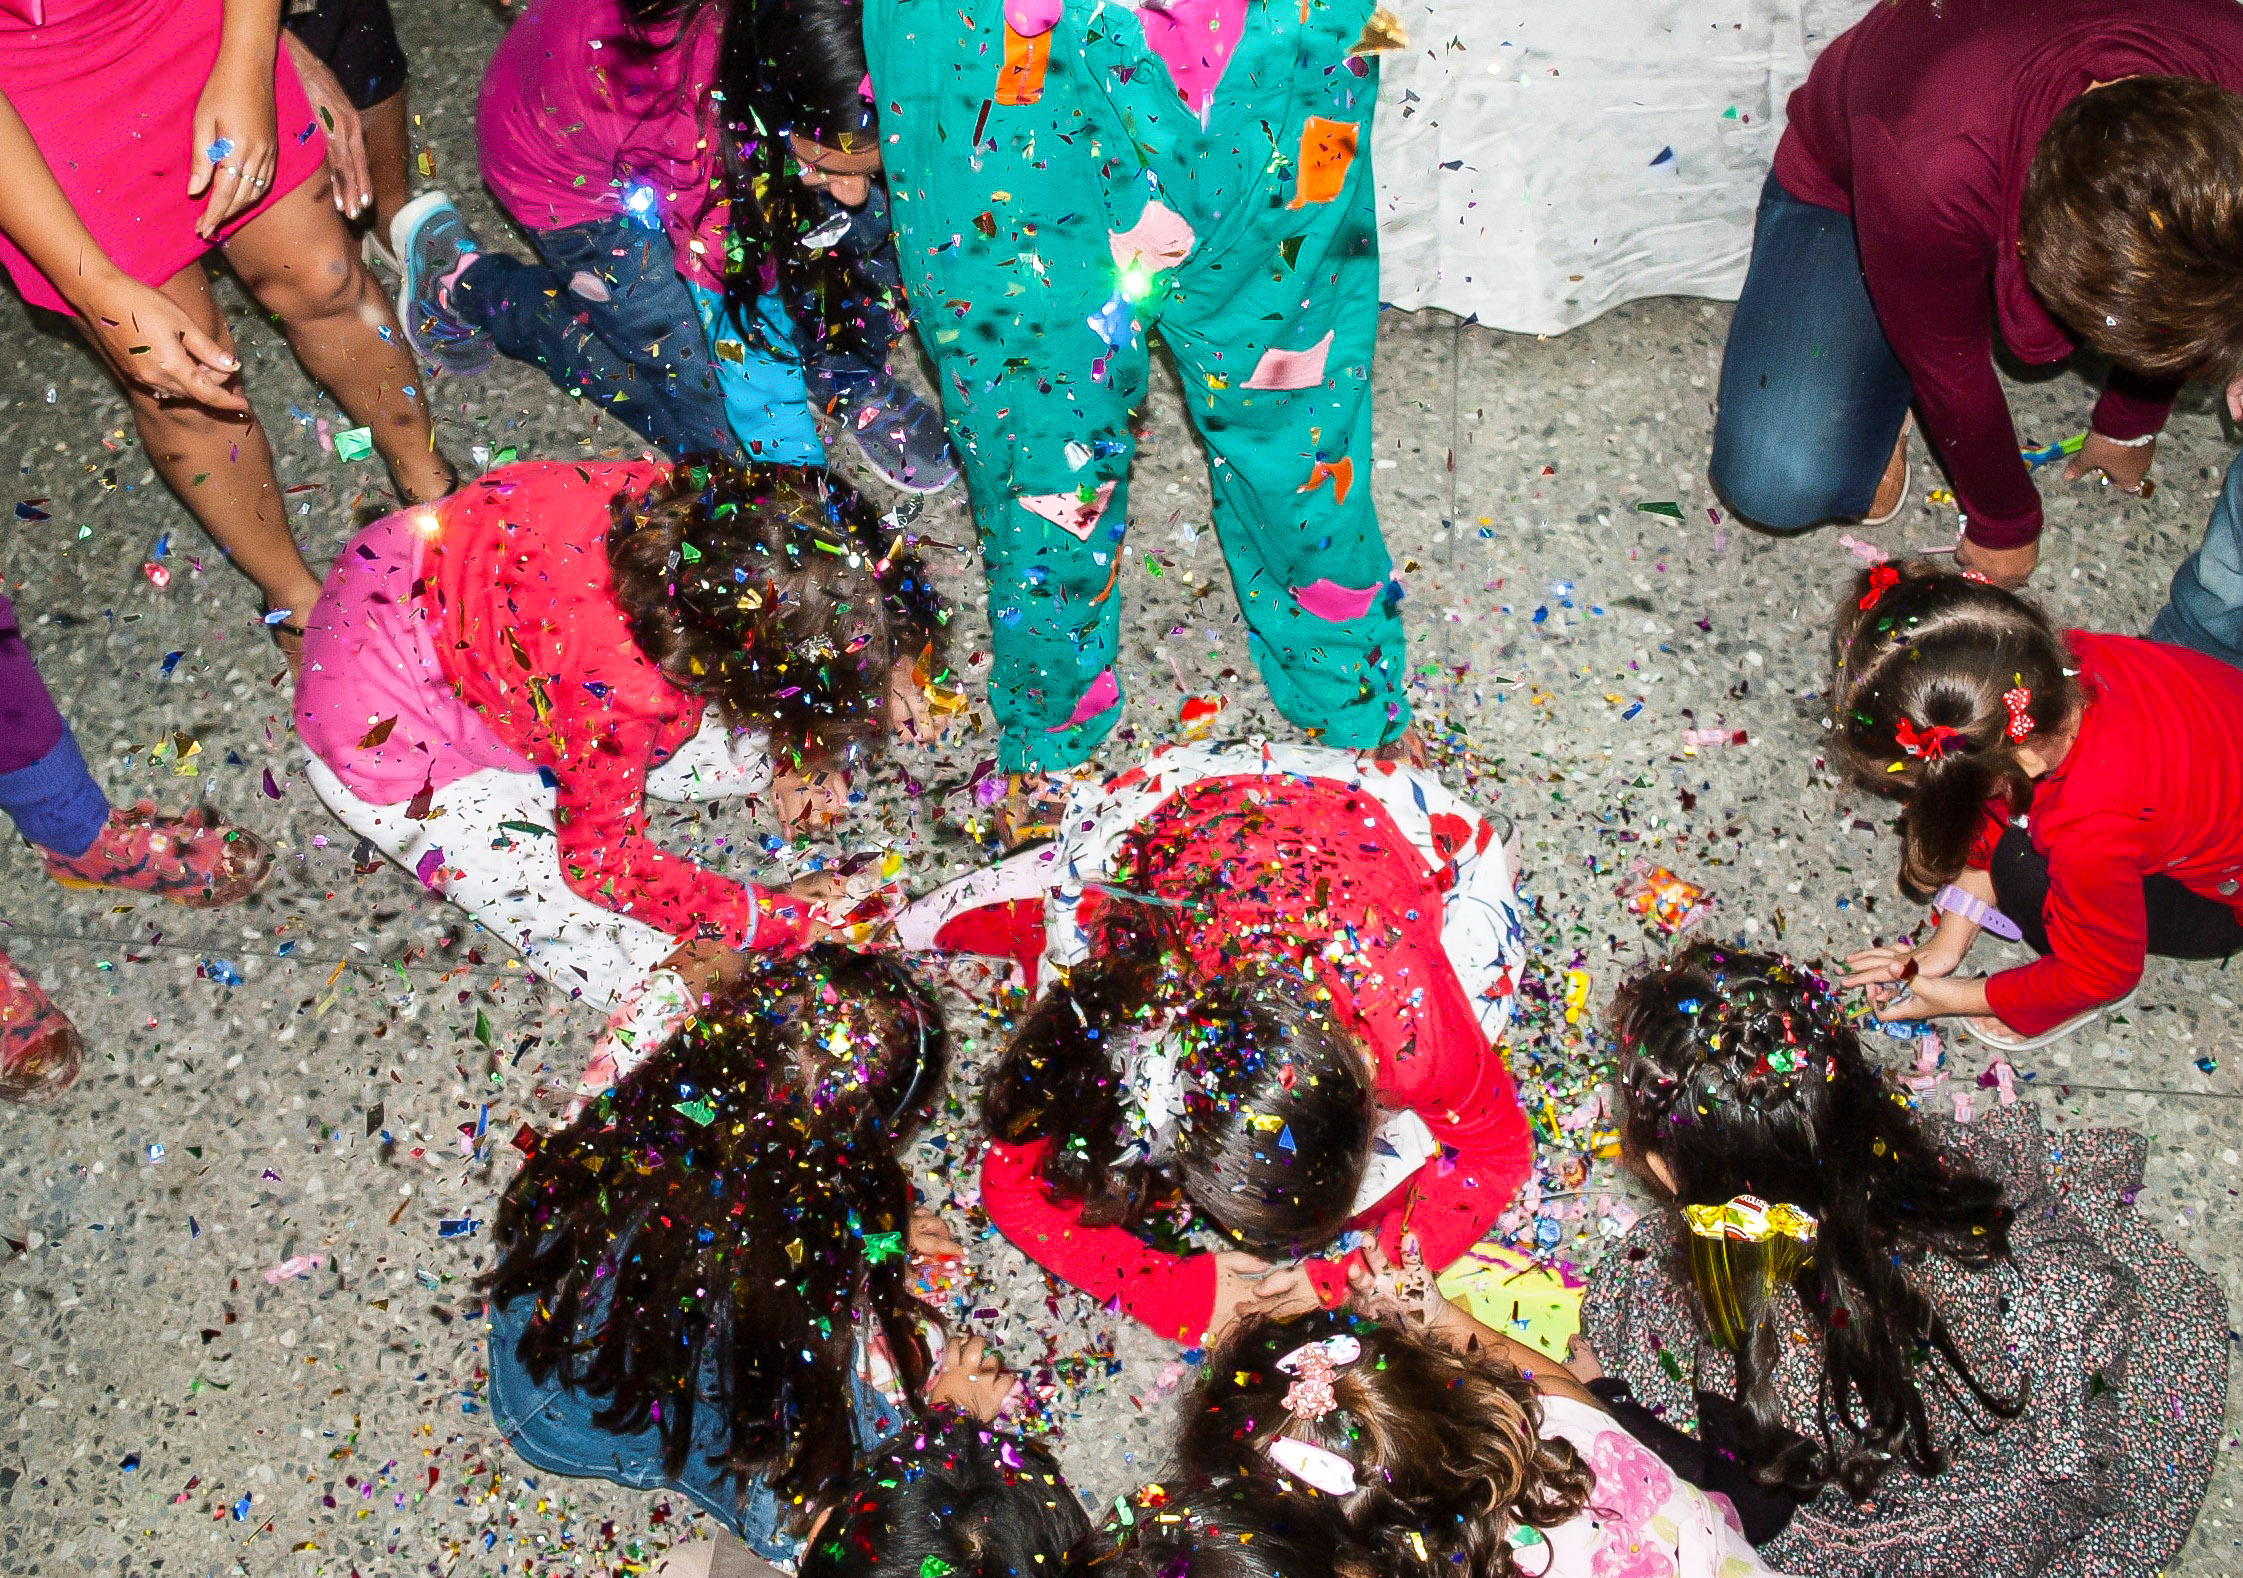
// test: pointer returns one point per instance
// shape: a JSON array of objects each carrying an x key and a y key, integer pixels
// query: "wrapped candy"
[{"x": 1663, "y": 899}]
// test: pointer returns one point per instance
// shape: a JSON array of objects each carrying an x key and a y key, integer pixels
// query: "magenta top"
[
  {"x": 1921, "y": 121},
  {"x": 577, "y": 105}
]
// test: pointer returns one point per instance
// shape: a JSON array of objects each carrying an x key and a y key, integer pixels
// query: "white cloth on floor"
[{"x": 1540, "y": 164}]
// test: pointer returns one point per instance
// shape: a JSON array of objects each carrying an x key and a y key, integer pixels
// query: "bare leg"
[
  {"x": 389, "y": 157},
  {"x": 298, "y": 260},
  {"x": 222, "y": 468}
]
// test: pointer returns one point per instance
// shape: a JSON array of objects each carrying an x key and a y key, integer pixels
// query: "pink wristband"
[{"x": 1956, "y": 902}]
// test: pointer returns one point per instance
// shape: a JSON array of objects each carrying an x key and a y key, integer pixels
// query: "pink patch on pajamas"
[
  {"x": 1070, "y": 511},
  {"x": 1292, "y": 369},
  {"x": 1160, "y": 239},
  {"x": 1334, "y": 603},
  {"x": 1104, "y": 692},
  {"x": 1194, "y": 39},
  {"x": 1031, "y": 18}
]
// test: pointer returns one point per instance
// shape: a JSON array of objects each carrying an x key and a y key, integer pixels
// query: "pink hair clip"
[
  {"x": 2020, "y": 719},
  {"x": 1314, "y": 1365},
  {"x": 1319, "y": 1466}
]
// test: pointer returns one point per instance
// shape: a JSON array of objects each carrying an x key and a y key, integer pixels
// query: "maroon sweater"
[{"x": 1921, "y": 121}]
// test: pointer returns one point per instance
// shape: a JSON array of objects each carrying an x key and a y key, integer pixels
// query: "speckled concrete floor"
[{"x": 169, "y": 1408}]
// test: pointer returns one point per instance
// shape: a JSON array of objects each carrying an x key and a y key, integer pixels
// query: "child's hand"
[
  {"x": 1879, "y": 968},
  {"x": 808, "y": 801},
  {"x": 973, "y": 1379},
  {"x": 911, "y": 716},
  {"x": 150, "y": 341},
  {"x": 1582, "y": 1360},
  {"x": 1931, "y": 997},
  {"x": 931, "y": 1238},
  {"x": 235, "y": 149},
  {"x": 1246, "y": 1286},
  {"x": 1405, "y": 1294}
]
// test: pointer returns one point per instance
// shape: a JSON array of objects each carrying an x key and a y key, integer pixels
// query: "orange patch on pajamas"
[
  {"x": 1340, "y": 471},
  {"x": 1020, "y": 80},
  {"x": 1327, "y": 149}
]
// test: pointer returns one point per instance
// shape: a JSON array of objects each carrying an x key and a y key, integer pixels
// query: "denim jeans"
[
  {"x": 2205, "y": 607},
  {"x": 633, "y": 346},
  {"x": 1812, "y": 397},
  {"x": 551, "y": 1427}
]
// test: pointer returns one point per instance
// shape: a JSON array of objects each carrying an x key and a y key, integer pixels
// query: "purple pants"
[{"x": 44, "y": 785}]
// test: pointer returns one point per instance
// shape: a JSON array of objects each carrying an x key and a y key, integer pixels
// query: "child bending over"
[
  {"x": 496, "y": 682},
  {"x": 1253, "y": 949},
  {"x": 1957, "y": 1357},
  {"x": 2081, "y": 791}
]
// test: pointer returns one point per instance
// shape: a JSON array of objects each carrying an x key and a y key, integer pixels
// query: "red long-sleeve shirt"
[
  {"x": 2153, "y": 785},
  {"x": 1307, "y": 868},
  {"x": 1921, "y": 121},
  {"x": 524, "y": 618}
]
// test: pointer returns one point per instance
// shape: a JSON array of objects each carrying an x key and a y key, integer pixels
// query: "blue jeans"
[
  {"x": 1812, "y": 397},
  {"x": 639, "y": 353},
  {"x": 551, "y": 1427},
  {"x": 2205, "y": 608}
]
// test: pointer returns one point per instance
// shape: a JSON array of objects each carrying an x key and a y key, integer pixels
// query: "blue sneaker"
[
  {"x": 900, "y": 435},
  {"x": 430, "y": 238}
]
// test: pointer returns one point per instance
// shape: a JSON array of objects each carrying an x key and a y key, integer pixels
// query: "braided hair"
[
  {"x": 1740, "y": 1074},
  {"x": 1938, "y": 682},
  {"x": 770, "y": 591},
  {"x": 722, "y": 1228}
]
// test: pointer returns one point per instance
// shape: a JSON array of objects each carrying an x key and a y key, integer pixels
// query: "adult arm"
[
  {"x": 606, "y": 856},
  {"x": 235, "y": 115},
  {"x": 143, "y": 335},
  {"x": 1173, "y": 1294}
]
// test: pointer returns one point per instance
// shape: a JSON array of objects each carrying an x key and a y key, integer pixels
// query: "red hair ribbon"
[
  {"x": 1882, "y": 579},
  {"x": 1980, "y": 576},
  {"x": 1930, "y": 742},
  {"x": 2020, "y": 720}
]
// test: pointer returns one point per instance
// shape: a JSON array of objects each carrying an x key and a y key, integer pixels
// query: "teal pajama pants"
[{"x": 1040, "y": 245}]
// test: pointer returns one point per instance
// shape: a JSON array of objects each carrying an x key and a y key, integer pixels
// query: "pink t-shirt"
[{"x": 577, "y": 105}]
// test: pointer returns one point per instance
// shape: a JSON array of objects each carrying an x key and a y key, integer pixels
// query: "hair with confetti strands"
[
  {"x": 1447, "y": 1451},
  {"x": 770, "y": 591},
  {"x": 1922, "y": 660},
  {"x": 1740, "y": 1073},
  {"x": 1228, "y": 1529},
  {"x": 734, "y": 1207},
  {"x": 950, "y": 1497}
]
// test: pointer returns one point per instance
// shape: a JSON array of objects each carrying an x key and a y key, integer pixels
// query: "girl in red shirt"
[
  {"x": 495, "y": 683},
  {"x": 2082, "y": 793},
  {"x": 1252, "y": 950}
]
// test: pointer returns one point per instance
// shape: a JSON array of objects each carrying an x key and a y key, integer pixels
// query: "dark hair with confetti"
[
  {"x": 1276, "y": 1120},
  {"x": 1232, "y": 1528},
  {"x": 732, "y": 1219},
  {"x": 1445, "y": 1453},
  {"x": 2132, "y": 224},
  {"x": 951, "y": 1498},
  {"x": 1739, "y": 1072},
  {"x": 769, "y": 590},
  {"x": 1938, "y": 680}
]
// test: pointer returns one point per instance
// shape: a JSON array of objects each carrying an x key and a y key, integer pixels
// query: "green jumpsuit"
[{"x": 1060, "y": 191}]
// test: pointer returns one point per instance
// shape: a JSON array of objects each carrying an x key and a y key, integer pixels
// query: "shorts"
[{"x": 357, "y": 40}]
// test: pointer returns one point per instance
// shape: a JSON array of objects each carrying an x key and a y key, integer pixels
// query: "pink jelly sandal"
[
  {"x": 194, "y": 859},
  {"x": 40, "y": 1052}
]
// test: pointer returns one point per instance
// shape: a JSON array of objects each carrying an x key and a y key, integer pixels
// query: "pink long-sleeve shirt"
[{"x": 1921, "y": 121}]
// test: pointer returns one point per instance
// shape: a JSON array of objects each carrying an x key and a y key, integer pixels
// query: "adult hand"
[
  {"x": 338, "y": 117},
  {"x": 151, "y": 341},
  {"x": 234, "y": 121},
  {"x": 973, "y": 1379},
  {"x": 2006, "y": 567},
  {"x": 2125, "y": 464}
]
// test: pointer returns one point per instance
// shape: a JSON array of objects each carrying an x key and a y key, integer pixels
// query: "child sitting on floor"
[
  {"x": 1395, "y": 1452},
  {"x": 704, "y": 1279},
  {"x": 1957, "y": 1355},
  {"x": 1252, "y": 949},
  {"x": 494, "y": 683},
  {"x": 692, "y": 175},
  {"x": 2082, "y": 792}
]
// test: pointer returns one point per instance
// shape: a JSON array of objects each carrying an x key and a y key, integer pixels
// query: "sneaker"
[
  {"x": 195, "y": 859},
  {"x": 40, "y": 1052},
  {"x": 432, "y": 242},
  {"x": 900, "y": 437},
  {"x": 2009, "y": 1041}
]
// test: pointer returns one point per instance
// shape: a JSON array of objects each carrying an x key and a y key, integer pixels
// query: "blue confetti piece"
[
  {"x": 1111, "y": 322},
  {"x": 457, "y": 1226},
  {"x": 241, "y": 1509},
  {"x": 171, "y": 660},
  {"x": 277, "y": 616},
  {"x": 1541, "y": 614},
  {"x": 221, "y": 971},
  {"x": 1665, "y": 156},
  {"x": 131, "y": 1462},
  {"x": 1634, "y": 707},
  {"x": 1285, "y": 1139}
]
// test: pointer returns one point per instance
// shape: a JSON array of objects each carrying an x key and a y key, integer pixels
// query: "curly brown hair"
[
  {"x": 2132, "y": 224},
  {"x": 769, "y": 591},
  {"x": 1448, "y": 1453}
]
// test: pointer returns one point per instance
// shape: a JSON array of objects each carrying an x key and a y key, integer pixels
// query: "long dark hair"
[
  {"x": 954, "y": 1497},
  {"x": 1740, "y": 1073},
  {"x": 1922, "y": 660},
  {"x": 1225, "y": 1528},
  {"x": 769, "y": 590},
  {"x": 734, "y": 1207},
  {"x": 1447, "y": 1453},
  {"x": 1277, "y": 1111}
]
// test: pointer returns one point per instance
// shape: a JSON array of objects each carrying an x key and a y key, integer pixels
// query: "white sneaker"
[{"x": 2010, "y": 1041}]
